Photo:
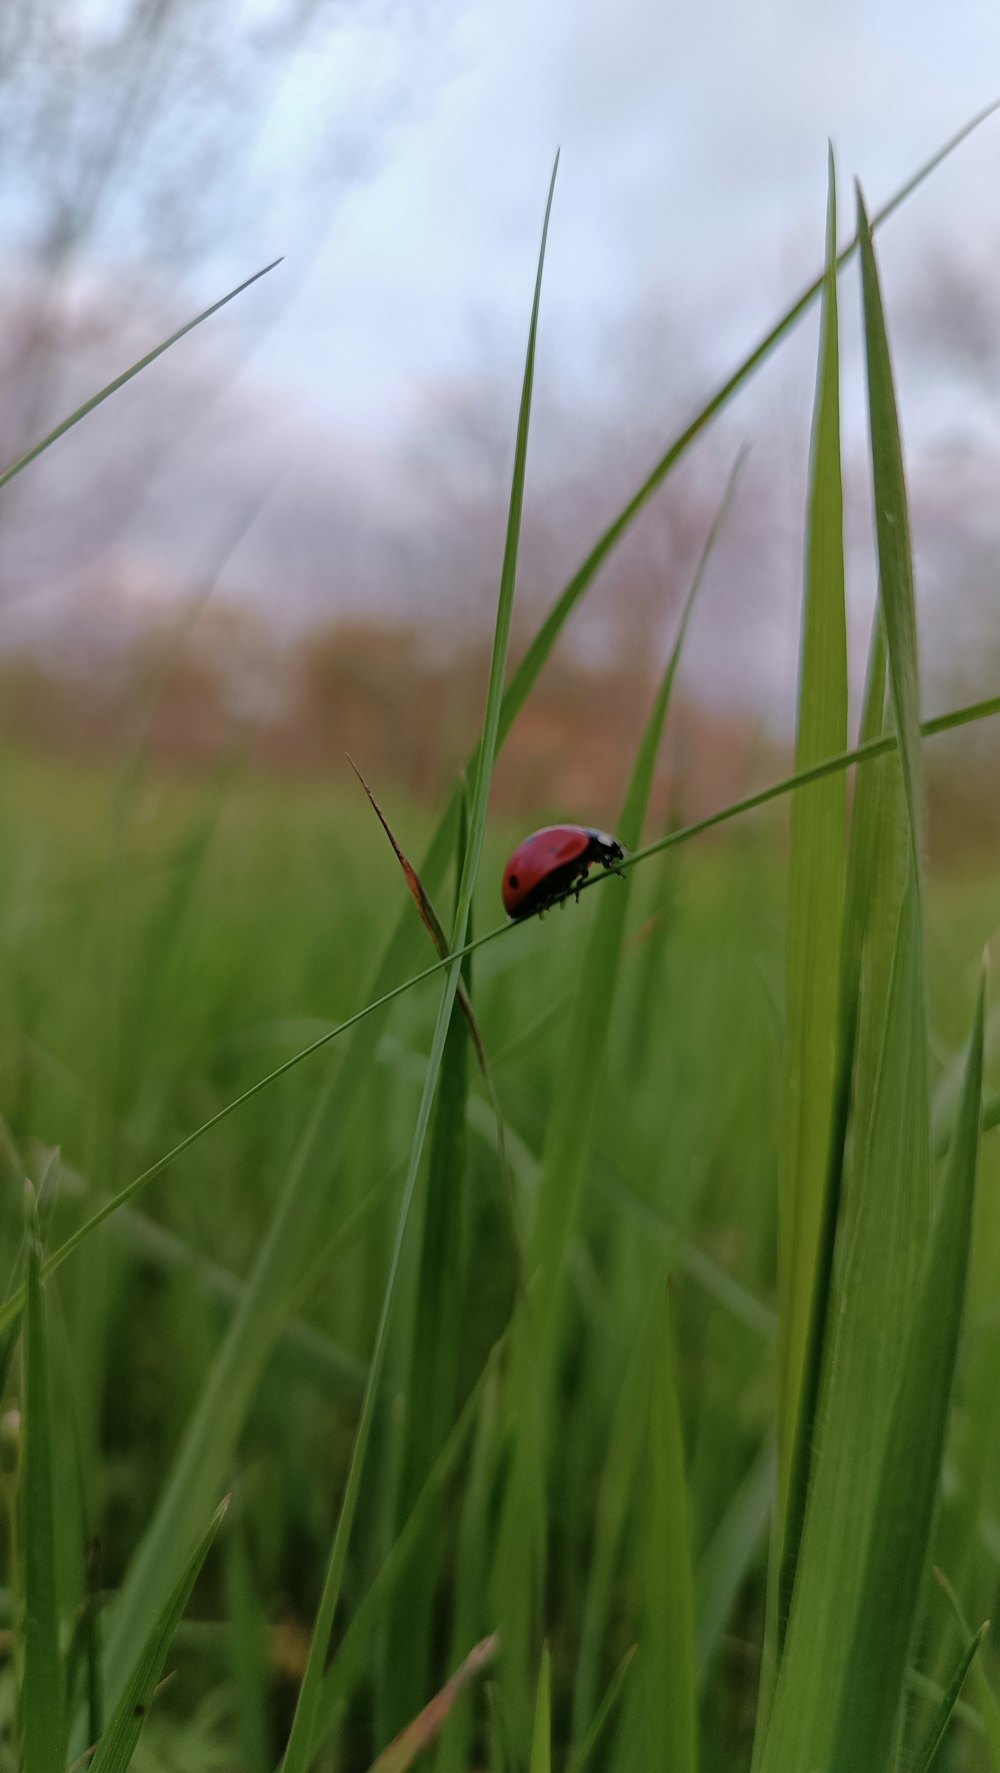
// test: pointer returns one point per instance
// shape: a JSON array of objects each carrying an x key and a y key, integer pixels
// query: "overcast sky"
[{"x": 693, "y": 174}]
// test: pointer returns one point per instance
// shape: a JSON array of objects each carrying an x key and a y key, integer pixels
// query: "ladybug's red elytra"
[{"x": 550, "y": 864}]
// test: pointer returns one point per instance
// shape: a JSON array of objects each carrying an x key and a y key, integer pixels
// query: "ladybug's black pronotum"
[{"x": 550, "y": 864}]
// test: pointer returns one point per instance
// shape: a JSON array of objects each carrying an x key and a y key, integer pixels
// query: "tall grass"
[{"x": 589, "y": 1406}]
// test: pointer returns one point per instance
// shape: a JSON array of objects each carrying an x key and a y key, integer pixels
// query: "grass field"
[
  {"x": 594, "y": 1328},
  {"x": 164, "y": 945}
]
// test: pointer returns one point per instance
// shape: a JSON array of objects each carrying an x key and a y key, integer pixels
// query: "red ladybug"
[{"x": 550, "y": 864}]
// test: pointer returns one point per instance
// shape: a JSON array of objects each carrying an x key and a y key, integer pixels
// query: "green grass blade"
[
  {"x": 434, "y": 1341},
  {"x": 581, "y": 1757},
  {"x": 105, "y": 393},
  {"x": 247, "y": 1653},
  {"x": 899, "y": 1535},
  {"x": 301, "y": 1740},
  {"x": 921, "y": 1687},
  {"x": 892, "y": 529},
  {"x": 987, "y": 1704},
  {"x": 816, "y": 887},
  {"x": 723, "y": 1565},
  {"x": 880, "y": 1270},
  {"x": 541, "y": 1743},
  {"x": 117, "y": 1746},
  {"x": 928, "y": 1751},
  {"x": 865, "y": 884},
  {"x": 885, "y": 1226},
  {"x": 669, "y": 1644},
  {"x": 42, "y": 1682}
]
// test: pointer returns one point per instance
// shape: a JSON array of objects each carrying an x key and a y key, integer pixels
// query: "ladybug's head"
[{"x": 607, "y": 848}]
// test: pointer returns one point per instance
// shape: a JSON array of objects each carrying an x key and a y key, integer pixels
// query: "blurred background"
[{"x": 294, "y": 521}]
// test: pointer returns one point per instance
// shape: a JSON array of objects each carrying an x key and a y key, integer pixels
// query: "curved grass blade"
[
  {"x": 105, "y": 393},
  {"x": 301, "y": 1741},
  {"x": 117, "y": 1746},
  {"x": 42, "y": 1681},
  {"x": 927, "y": 1754}
]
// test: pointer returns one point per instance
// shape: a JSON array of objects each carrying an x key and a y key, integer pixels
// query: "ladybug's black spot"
[{"x": 513, "y": 881}]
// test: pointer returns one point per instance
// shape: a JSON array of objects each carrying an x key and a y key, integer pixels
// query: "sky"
[{"x": 693, "y": 171}]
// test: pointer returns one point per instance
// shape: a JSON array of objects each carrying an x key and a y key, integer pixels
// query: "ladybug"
[{"x": 550, "y": 864}]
